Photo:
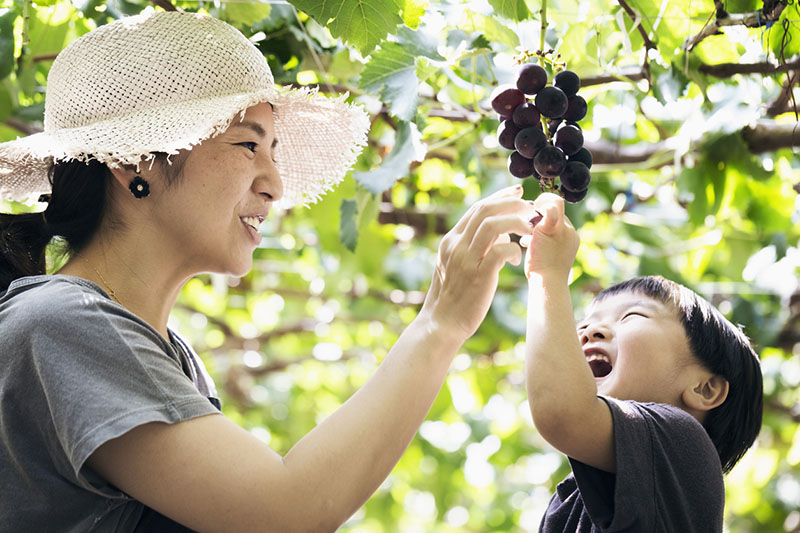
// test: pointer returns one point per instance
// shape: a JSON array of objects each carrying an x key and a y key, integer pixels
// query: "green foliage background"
[{"x": 687, "y": 185}]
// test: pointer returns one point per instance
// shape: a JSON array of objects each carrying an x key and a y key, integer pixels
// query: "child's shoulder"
[{"x": 664, "y": 423}]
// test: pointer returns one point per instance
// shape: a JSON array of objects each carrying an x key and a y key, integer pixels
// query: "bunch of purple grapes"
[{"x": 550, "y": 151}]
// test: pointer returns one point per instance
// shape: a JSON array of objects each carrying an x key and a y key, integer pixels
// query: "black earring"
[{"x": 139, "y": 187}]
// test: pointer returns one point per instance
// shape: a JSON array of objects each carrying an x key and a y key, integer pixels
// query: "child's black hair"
[{"x": 724, "y": 350}]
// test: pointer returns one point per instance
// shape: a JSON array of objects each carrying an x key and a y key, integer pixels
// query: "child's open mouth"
[{"x": 599, "y": 362}]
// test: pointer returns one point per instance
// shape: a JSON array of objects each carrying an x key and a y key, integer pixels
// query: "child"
[{"x": 653, "y": 400}]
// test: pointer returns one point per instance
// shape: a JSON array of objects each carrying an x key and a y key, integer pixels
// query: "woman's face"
[{"x": 210, "y": 214}]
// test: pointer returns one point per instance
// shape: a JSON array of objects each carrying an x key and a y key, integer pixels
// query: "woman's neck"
[{"x": 134, "y": 275}]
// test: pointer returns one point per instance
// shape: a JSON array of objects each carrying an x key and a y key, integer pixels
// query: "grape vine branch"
[{"x": 755, "y": 19}]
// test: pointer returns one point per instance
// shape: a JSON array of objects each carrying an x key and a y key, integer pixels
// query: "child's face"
[{"x": 637, "y": 349}]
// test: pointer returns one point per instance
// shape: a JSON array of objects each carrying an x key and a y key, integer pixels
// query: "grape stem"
[
  {"x": 549, "y": 185},
  {"x": 543, "y": 30}
]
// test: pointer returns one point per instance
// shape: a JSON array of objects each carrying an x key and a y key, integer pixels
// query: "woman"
[{"x": 167, "y": 144}]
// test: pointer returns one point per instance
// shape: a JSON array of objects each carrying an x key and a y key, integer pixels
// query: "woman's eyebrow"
[{"x": 255, "y": 127}]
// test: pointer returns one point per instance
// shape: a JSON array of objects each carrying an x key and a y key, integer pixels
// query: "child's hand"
[{"x": 554, "y": 243}]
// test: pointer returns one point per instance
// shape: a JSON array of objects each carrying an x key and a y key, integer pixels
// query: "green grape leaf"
[
  {"x": 669, "y": 84},
  {"x": 7, "y": 41},
  {"x": 6, "y": 103},
  {"x": 407, "y": 148},
  {"x": 348, "y": 225},
  {"x": 511, "y": 9},
  {"x": 391, "y": 71},
  {"x": 419, "y": 43},
  {"x": 742, "y": 6},
  {"x": 412, "y": 12},
  {"x": 784, "y": 36},
  {"x": 362, "y": 23},
  {"x": 491, "y": 28},
  {"x": 244, "y": 13}
]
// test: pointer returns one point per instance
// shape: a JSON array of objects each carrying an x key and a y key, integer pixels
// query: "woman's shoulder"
[
  {"x": 47, "y": 300},
  {"x": 49, "y": 293},
  {"x": 71, "y": 311}
]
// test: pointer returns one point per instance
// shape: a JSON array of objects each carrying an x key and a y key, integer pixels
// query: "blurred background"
[{"x": 692, "y": 121}]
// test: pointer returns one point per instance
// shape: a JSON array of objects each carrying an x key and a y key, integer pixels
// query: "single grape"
[
  {"x": 506, "y": 132},
  {"x": 531, "y": 78},
  {"x": 576, "y": 177},
  {"x": 569, "y": 138},
  {"x": 526, "y": 115},
  {"x": 529, "y": 141},
  {"x": 567, "y": 81},
  {"x": 519, "y": 166},
  {"x": 553, "y": 125},
  {"x": 551, "y": 102},
  {"x": 549, "y": 162},
  {"x": 576, "y": 108},
  {"x": 573, "y": 197},
  {"x": 582, "y": 156},
  {"x": 505, "y": 99}
]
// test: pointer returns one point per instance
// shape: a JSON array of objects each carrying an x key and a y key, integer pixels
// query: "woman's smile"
[{"x": 251, "y": 224}]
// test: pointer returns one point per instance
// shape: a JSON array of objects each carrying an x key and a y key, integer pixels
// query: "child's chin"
[{"x": 603, "y": 384}]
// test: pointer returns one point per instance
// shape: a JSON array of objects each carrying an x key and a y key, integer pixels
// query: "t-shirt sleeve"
[
  {"x": 662, "y": 452},
  {"x": 103, "y": 372}
]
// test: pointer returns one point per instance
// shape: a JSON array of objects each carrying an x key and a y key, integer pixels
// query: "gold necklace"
[{"x": 106, "y": 286}]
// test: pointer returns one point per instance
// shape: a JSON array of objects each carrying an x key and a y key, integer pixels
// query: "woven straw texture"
[{"x": 163, "y": 82}]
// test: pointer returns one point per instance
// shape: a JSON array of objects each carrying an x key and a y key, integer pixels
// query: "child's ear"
[{"x": 707, "y": 394}]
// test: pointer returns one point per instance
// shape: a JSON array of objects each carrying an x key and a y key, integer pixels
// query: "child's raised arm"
[{"x": 561, "y": 390}]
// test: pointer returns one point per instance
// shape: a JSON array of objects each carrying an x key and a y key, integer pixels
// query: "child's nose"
[{"x": 595, "y": 332}]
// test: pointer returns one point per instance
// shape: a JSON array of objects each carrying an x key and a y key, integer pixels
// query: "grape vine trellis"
[{"x": 692, "y": 125}]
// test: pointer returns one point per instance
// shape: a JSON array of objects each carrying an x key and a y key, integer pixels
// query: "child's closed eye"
[{"x": 633, "y": 313}]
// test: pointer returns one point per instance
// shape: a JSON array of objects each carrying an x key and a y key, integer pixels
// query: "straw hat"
[{"x": 163, "y": 82}]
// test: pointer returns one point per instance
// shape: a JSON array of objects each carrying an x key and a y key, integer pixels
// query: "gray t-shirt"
[
  {"x": 77, "y": 371},
  {"x": 668, "y": 479}
]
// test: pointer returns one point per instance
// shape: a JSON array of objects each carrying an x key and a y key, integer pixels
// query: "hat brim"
[{"x": 319, "y": 139}]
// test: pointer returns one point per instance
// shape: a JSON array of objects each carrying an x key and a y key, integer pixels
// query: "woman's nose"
[{"x": 269, "y": 184}]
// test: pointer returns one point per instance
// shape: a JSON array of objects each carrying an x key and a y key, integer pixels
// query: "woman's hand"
[
  {"x": 554, "y": 243},
  {"x": 470, "y": 258}
]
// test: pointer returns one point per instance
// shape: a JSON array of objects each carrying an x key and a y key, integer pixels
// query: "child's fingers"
[
  {"x": 546, "y": 200},
  {"x": 552, "y": 218},
  {"x": 551, "y": 206}
]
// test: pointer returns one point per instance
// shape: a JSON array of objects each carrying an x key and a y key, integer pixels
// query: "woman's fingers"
[
  {"x": 498, "y": 208},
  {"x": 493, "y": 228},
  {"x": 499, "y": 254},
  {"x": 508, "y": 192}
]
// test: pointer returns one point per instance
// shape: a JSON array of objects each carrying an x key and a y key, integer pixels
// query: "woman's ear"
[
  {"x": 709, "y": 393},
  {"x": 123, "y": 174}
]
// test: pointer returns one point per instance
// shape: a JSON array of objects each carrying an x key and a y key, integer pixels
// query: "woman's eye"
[{"x": 249, "y": 145}]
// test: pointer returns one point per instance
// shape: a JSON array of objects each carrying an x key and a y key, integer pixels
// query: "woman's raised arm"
[{"x": 212, "y": 475}]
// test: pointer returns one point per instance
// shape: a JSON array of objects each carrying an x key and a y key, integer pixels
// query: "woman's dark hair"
[
  {"x": 74, "y": 212},
  {"x": 724, "y": 350}
]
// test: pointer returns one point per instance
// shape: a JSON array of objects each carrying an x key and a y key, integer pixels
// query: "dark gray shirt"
[
  {"x": 77, "y": 371},
  {"x": 668, "y": 479}
]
